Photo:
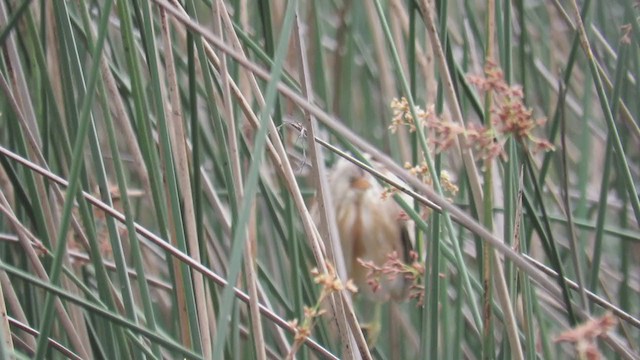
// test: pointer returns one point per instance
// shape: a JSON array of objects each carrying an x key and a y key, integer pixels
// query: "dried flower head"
[
  {"x": 402, "y": 115},
  {"x": 395, "y": 267},
  {"x": 442, "y": 133},
  {"x": 584, "y": 336},
  {"x": 448, "y": 185},
  {"x": 302, "y": 331},
  {"x": 330, "y": 283},
  {"x": 422, "y": 172},
  {"x": 509, "y": 116}
]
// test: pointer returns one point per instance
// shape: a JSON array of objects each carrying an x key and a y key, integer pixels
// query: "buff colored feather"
[{"x": 370, "y": 227}]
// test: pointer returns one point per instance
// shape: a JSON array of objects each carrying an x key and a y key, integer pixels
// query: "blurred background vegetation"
[{"x": 158, "y": 160}]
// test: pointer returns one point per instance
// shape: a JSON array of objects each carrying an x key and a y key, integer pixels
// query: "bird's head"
[{"x": 350, "y": 180}]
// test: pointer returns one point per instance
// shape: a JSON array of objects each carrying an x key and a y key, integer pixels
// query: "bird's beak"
[{"x": 360, "y": 183}]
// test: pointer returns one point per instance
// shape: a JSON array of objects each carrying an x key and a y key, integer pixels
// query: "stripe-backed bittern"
[{"x": 371, "y": 227}]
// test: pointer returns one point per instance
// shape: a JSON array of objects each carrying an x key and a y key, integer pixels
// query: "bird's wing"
[{"x": 407, "y": 245}]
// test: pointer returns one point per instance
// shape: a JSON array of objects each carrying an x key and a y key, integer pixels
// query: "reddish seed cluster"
[
  {"x": 584, "y": 337},
  {"x": 395, "y": 267},
  {"x": 485, "y": 142},
  {"x": 442, "y": 134},
  {"x": 493, "y": 80},
  {"x": 509, "y": 118}
]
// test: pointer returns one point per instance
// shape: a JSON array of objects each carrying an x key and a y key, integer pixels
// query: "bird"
[{"x": 371, "y": 226}]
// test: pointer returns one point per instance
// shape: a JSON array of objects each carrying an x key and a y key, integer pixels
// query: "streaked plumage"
[{"x": 370, "y": 227}]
